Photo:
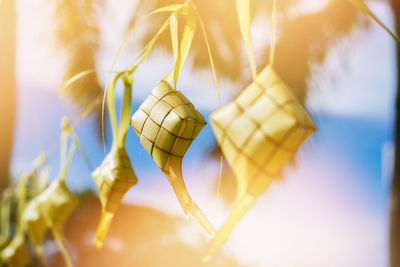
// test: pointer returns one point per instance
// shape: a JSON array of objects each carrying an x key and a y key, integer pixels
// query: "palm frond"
[
  {"x": 77, "y": 33},
  {"x": 304, "y": 39}
]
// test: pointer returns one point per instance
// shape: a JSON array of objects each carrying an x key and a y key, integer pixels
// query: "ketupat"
[
  {"x": 5, "y": 217},
  {"x": 113, "y": 179},
  {"x": 32, "y": 220},
  {"x": 167, "y": 123},
  {"x": 115, "y": 176},
  {"x": 16, "y": 254},
  {"x": 35, "y": 225},
  {"x": 56, "y": 203},
  {"x": 258, "y": 133}
]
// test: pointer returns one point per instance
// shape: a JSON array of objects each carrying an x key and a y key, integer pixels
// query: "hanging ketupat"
[
  {"x": 16, "y": 253},
  {"x": 56, "y": 203},
  {"x": 5, "y": 216},
  {"x": 258, "y": 132},
  {"x": 115, "y": 175},
  {"x": 35, "y": 225},
  {"x": 32, "y": 220},
  {"x": 166, "y": 124}
]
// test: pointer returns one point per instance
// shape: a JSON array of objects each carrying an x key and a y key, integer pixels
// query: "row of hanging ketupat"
[{"x": 258, "y": 133}]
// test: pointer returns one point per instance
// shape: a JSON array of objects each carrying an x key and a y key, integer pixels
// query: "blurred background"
[{"x": 335, "y": 205}]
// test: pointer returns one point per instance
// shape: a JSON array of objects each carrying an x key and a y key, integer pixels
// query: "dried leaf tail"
[
  {"x": 188, "y": 205},
  {"x": 60, "y": 242},
  {"x": 240, "y": 208},
  {"x": 104, "y": 225}
]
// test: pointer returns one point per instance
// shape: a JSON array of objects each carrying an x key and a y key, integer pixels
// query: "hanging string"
[
  {"x": 203, "y": 29},
  {"x": 243, "y": 12},
  {"x": 143, "y": 54},
  {"x": 80, "y": 119},
  {"x": 273, "y": 35}
]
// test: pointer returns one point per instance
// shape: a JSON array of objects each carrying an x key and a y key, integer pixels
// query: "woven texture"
[
  {"x": 56, "y": 204},
  {"x": 113, "y": 178},
  {"x": 260, "y": 131},
  {"x": 166, "y": 124},
  {"x": 16, "y": 253}
]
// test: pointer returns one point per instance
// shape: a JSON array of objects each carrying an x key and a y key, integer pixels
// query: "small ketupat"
[
  {"x": 167, "y": 123},
  {"x": 115, "y": 176},
  {"x": 35, "y": 224},
  {"x": 16, "y": 253},
  {"x": 56, "y": 204},
  {"x": 113, "y": 179},
  {"x": 258, "y": 132}
]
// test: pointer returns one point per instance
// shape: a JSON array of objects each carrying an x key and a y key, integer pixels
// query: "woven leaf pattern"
[
  {"x": 166, "y": 124},
  {"x": 258, "y": 132},
  {"x": 261, "y": 130},
  {"x": 113, "y": 179},
  {"x": 115, "y": 175},
  {"x": 56, "y": 204}
]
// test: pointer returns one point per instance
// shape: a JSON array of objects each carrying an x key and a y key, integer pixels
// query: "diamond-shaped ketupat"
[
  {"x": 56, "y": 204},
  {"x": 16, "y": 253},
  {"x": 167, "y": 123},
  {"x": 113, "y": 178},
  {"x": 115, "y": 175},
  {"x": 258, "y": 132},
  {"x": 35, "y": 224}
]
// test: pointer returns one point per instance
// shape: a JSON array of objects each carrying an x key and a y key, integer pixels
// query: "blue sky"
[{"x": 330, "y": 210}]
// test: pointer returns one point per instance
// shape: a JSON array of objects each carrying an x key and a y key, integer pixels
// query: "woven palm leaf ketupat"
[
  {"x": 35, "y": 225},
  {"x": 167, "y": 123},
  {"x": 32, "y": 220},
  {"x": 5, "y": 216},
  {"x": 16, "y": 254},
  {"x": 55, "y": 206},
  {"x": 56, "y": 203},
  {"x": 115, "y": 176},
  {"x": 258, "y": 132}
]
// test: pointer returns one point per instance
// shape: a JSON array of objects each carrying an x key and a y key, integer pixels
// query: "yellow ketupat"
[
  {"x": 35, "y": 225},
  {"x": 258, "y": 133},
  {"x": 113, "y": 179},
  {"x": 5, "y": 216},
  {"x": 16, "y": 253},
  {"x": 166, "y": 124},
  {"x": 115, "y": 175},
  {"x": 55, "y": 205},
  {"x": 32, "y": 220}
]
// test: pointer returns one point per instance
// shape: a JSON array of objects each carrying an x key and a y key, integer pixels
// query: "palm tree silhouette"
[{"x": 304, "y": 40}]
